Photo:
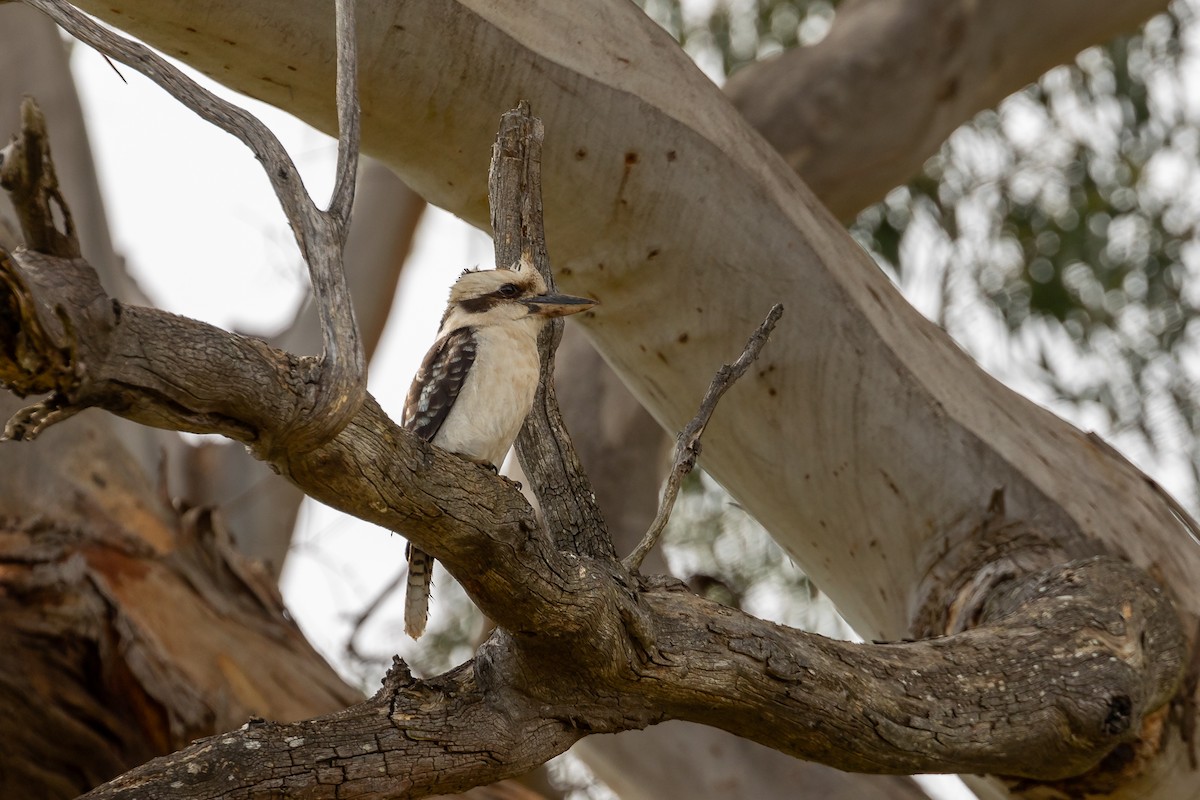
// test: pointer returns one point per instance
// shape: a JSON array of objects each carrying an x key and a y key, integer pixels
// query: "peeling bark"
[{"x": 132, "y": 634}]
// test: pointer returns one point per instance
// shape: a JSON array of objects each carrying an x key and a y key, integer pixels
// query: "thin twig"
[
  {"x": 687, "y": 445},
  {"x": 341, "y": 386}
]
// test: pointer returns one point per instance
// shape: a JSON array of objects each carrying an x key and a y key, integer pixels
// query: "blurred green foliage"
[
  {"x": 1055, "y": 238},
  {"x": 723, "y": 35}
]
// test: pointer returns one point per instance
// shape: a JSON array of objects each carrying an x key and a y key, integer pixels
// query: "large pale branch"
[
  {"x": 679, "y": 759},
  {"x": 858, "y": 113}
]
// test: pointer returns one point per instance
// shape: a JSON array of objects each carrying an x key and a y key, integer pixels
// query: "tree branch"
[
  {"x": 412, "y": 739},
  {"x": 1052, "y": 683},
  {"x": 823, "y": 107},
  {"x": 166, "y": 371},
  {"x": 1054, "y": 678},
  {"x": 871, "y": 436},
  {"x": 544, "y": 446},
  {"x": 27, "y": 173},
  {"x": 339, "y": 385}
]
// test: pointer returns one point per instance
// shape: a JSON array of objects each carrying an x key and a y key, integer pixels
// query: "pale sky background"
[{"x": 193, "y": 214}]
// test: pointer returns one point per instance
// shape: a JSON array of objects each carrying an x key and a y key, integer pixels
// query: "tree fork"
[{"x": 336, "y": 384}]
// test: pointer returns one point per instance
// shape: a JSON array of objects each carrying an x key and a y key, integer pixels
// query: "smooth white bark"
[{"x": 695, "y": 761}]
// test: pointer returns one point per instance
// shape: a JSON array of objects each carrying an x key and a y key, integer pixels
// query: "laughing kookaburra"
[{"x": 476, "y": 384}]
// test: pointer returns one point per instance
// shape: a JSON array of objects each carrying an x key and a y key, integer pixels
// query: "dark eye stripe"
[{"x": 477, "y": 305}]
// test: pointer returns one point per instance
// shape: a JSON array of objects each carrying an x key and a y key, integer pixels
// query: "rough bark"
[
  {"x": 1054, "y": 675},
  {"x": 34, "y": 62},
  {"x": 833, "y": 112},
  {"x": 547, "y": 454},
  {"x": 621, "y": 446},
  {"x": 129, "y": 624}
]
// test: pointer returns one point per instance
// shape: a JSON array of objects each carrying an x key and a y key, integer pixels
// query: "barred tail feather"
[{"x": 416, "y": 598}]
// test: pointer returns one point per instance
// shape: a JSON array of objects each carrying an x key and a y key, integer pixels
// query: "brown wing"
[{"x": 438, "y": 382}]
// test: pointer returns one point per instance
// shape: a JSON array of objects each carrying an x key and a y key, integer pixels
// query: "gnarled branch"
[
  {"x": 27, "y": 172},
  {"x": 338, "y": 386},
  {"x": 1053, "y": 678}
]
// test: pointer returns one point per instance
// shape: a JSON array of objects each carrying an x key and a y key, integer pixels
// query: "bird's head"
[{"x": 497, "y": 296}]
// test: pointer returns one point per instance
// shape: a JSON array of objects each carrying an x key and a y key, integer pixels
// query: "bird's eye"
[{"x": 509, "y": 290}]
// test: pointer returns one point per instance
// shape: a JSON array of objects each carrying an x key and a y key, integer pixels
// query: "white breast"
[{"x": 496, "y": 396}]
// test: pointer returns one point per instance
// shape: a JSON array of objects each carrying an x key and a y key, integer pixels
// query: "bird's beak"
[{"x": 557, "y": 305}]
